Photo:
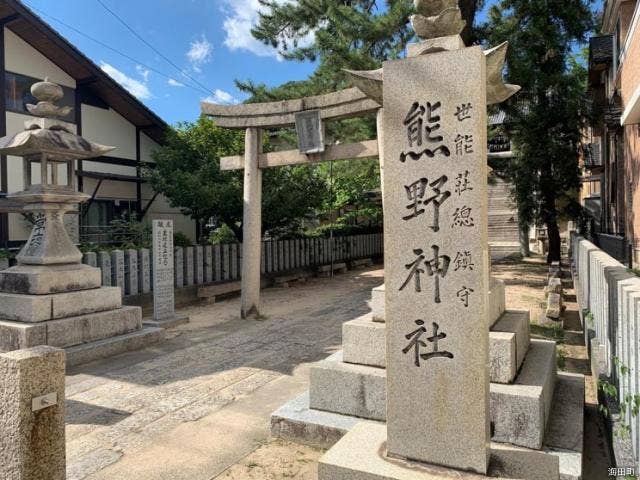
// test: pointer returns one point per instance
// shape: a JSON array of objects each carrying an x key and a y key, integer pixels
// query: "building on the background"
[
  {"x": 102, "y": 111},
  {"x": 611, "y": 160}
]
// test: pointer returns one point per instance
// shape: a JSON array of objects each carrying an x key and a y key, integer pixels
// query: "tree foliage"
[
  {"x": 187, "y": 171},
  {"x": 544, "y": 121}
]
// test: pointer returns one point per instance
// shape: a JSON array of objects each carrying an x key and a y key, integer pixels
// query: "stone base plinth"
[
  {"x": 40, "y": 308},
  {"x": 109, "y": 347},
  {"x": 167, "y": 322},
  {"x": 377, "y": 303},
  {"x": 361, "y": 455},
  {"x": 297, "y": 422},
  {"x": 509, "y": 342},
  {"x": 44, "y": 280},
  {"x": 364, "y": 343},
  {"x": 519, "y": 411},
  {"x": 70, "y": 331}
]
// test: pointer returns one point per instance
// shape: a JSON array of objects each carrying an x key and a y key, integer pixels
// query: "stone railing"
[
  {"x": 609, "y": 297},
  {"x": 202, "y": 265}
]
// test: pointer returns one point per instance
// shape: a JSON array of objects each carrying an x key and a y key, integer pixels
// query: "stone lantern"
[
  {"x": 50, "y": 297},
  {"x": 49, "y": 143}
]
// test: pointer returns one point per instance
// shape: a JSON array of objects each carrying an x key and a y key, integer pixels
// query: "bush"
[
  {"x": 181, "y": 240},
  {"x": 127, "y": 232},
  {"x": 221, "y": 235},
  {"x": 4, "y": 254}
]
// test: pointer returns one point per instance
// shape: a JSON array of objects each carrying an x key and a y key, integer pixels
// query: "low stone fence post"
[{"x": 32, "y": 427}]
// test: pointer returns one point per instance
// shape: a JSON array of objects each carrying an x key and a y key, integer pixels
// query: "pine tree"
[
  {"x": 353, "y": 34},
  {"x": 544, "y": 121}
]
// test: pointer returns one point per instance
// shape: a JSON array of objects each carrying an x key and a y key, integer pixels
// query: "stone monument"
[
  {"x": 461, "y": 388},
  {"x": 436, "y": 265},
  {"x": 164, "y": 311},
  {"x": 50, "y": 297}
]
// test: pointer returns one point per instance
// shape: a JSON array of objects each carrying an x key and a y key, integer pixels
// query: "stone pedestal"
[
  {"x": 32, "y": 438},
  {"x": 536, "y": 412}
]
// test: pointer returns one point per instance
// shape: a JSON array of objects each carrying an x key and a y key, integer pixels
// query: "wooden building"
[{"x": 103, "y": 112}]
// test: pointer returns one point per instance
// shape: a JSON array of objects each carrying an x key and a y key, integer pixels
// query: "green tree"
[
  {"x": 187, "y": 171},
  {"x": 339, "y": 34},
  {"x": 544, "y": 121}
]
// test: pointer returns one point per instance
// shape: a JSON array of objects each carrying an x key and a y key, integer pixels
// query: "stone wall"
[
  {"x": 208, "y": 264},
  {"x": 608, "y": 294}
]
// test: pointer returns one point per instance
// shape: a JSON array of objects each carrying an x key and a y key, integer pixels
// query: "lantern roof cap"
[{"x": 48, "y": 135}]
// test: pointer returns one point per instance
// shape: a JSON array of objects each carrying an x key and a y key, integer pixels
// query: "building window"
[
  {"x": 96, "y": 224},
  {"x": 18, "y": 94}
]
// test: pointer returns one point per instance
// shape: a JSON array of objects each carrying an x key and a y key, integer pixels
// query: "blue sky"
[{"x": 209, "y": 40}]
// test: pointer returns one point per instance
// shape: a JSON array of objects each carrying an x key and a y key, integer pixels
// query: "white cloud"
[
  {"x": 200, "y": 53},
  {"x": 241, "y": 17},
  {"x": 175, "y": 83},
  {"x": 144, "y": 73},
  {"x": 135, "y": 87},
  {"x": 221, "y": 97}
]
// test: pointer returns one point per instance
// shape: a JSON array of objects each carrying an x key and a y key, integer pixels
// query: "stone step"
[
  {"x": 297, "y": 422},
  {"x": 509, "y": 342},
  {"x": 497, "y": 300},
  {"x": 109, "y": 347},
  {"x": 348, "y": 389},
  {"x": 40, "y": 308},
  {"x": 364, "y": 343},
  {"x": 519, "y": 412},
  {"x": 377, "y": 303},
  {"x": 358, "y": 456},
  {"x": 70, "y": 331}
]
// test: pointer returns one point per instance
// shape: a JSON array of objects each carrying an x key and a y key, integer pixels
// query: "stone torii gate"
[
  {"x": 439, "y": 34},
  {"x": 255, "y": 118}
]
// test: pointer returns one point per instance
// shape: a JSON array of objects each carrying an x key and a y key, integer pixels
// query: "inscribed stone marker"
[
  {"x": 435, "y": 221},
  {"x": 163, "y": 278}
]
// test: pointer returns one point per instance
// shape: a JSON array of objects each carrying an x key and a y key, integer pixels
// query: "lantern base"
[{"x": 44, "y": 280}]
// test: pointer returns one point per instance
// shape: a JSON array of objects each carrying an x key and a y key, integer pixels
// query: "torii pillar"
[{"x": 251, "y": 224}]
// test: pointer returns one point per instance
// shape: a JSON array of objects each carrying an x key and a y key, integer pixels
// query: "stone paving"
[{"x": 195, "y": 405}]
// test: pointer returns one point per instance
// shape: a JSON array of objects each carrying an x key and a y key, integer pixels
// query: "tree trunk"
[
  {"x": 524, "y": 240},
  {"x": 554, "y": 241},
  {"x": 469, "y": 9}
]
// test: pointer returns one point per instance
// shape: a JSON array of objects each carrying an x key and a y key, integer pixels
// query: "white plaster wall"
[
  {"x": 102, "y": 167},
  {"x": 20, "y": 57},
  {"x": 147, "y": 146},
  {"x": 107, "y": 127},
  {"x": 111, "y": 190},
  {"x": 161, "y": 210}
]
